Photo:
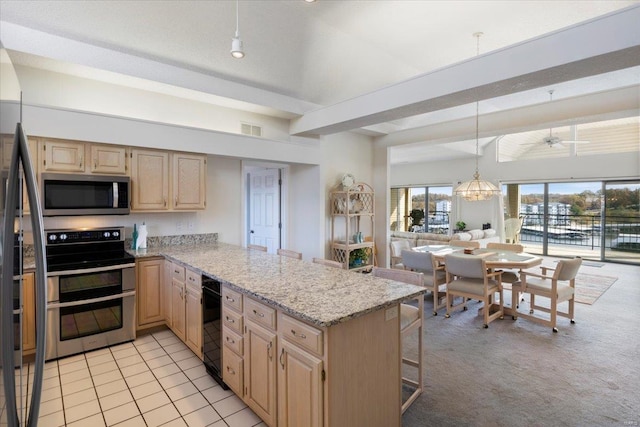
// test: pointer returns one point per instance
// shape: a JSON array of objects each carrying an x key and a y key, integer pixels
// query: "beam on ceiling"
[{"x": 597, "y": 46}]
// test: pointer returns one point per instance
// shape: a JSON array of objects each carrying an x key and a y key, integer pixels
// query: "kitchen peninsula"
[{"x": 306, "y": 344}]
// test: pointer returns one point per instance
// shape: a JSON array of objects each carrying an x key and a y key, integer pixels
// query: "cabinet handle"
[
  {"x": 230, "y": 299},
  {"x": 176, "y": 271},
  {"x": 231, "y": 340},
  {"x": 95, "y": 164},
  {"x": 165, "y": 202},
  {"x": 176, "y": 201},
  {"x": 295, "y": 334},
  {"x": 81, "y": 159},
  {"x": 231, "y": 371},
  {"x": 181, "y": 296},
  {"x": 230, "y": 320},
  {"x": 281, "y": 361},
  {"x": 258, "y": 314},
  {"x": 269, "y": 350}
]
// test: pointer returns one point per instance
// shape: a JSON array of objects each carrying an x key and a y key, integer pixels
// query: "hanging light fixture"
[
  {"x": 236, "y": 43},
  {"x": 477, "y": 189}
]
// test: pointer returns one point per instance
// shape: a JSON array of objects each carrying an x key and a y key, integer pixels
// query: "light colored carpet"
[
  {"x": 521, "y": 374},
  {"x": 589, "y": 287}
]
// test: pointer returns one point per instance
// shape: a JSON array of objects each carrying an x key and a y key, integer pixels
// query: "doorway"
[{"x": 264, "y": 202}]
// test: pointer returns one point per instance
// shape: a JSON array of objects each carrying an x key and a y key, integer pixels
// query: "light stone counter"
[{"x": 321, "y": 295}]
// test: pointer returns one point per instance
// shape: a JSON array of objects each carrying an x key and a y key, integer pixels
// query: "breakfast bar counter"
[
  {"x": 302, "y": 343},
  {"x": 320, "y": 295}
]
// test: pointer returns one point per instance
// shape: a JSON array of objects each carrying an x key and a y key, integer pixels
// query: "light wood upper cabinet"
[
  {"x": 61, "y": 156},
  {"x": 150, "y": 292},
  {"x": 189, "y": 181},
  {"x": 6, "y": 152},
  {"x": 149, "y": 180},
  {"x": 107, "y": 159}
]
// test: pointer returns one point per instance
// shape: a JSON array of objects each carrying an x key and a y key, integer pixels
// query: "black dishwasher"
[{"x": 212, "y": 328}]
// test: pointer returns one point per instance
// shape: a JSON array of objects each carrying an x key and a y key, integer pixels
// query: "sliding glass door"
[{"x": 621, "y": 219}]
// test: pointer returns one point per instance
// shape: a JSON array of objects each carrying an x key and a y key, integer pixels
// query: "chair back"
[
  {"x": 405, "y": 276},
  {"x": 512, "y": 228},
  {"x": 328, "y": 262},
  {"x": 417, "y": 261},
  {"x": 290, "y": 253},
  {"x": 397, "y": 246},
  {"x": 465, "y": 243},
  {"x": 463, "y": 265},
  {"x": 567, "y": 269},
  {"x": 506, "y": 246}
]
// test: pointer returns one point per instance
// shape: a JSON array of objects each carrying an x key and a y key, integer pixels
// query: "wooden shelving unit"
[{"x": 352, "y": 215}]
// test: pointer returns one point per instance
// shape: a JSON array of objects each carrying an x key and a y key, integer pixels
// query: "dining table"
[{"x": 496, "y": 259}]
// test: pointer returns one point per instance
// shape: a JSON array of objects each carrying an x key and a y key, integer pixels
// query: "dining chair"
[
  {"x": 469, "y": 278},
  {"x": 558, "y": 287},
  {"x": 289, "y": 253},
  {"x": 411, "y": 319},
  {"x": 465, "y": 243},
  {"x": 328, "y": 262},
  {"x": 257, "y": 247},
  {"x": 396, "y": 247},
  {"x": 434, "y": 274}
]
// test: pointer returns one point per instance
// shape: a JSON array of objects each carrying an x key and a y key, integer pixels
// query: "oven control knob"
[
  {"x": 63, "y": 237},
  {"x": 52, "y": 237},
  {"x": 116, "y": 234},
  {"x": 107, "y": 234}
]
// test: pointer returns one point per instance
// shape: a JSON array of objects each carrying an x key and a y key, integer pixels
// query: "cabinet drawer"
[
  {"x": 302, "y": 334},
  {"x": 232, "y": 370},
  {"x": 232, "y": 320},
  {"x": 177, "y": 272},
  {"x": 260, "y": 313},
  {"x": 232, "y": 299},
  {"x": 232, "y": 340},
  {"x": 194, "y": 280}
]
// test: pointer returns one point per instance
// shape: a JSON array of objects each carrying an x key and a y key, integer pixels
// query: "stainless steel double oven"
[{"x": 91, "y": 290}]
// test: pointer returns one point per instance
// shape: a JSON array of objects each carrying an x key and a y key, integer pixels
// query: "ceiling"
[{"x": 306, "y": 61}]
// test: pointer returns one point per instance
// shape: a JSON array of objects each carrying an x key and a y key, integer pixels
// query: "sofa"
[{"x": 400, "y": 240}]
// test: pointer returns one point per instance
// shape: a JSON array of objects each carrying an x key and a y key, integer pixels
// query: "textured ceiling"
[{"x": 320, "y": 53}]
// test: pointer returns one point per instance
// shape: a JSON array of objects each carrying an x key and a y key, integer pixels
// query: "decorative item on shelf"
[
  {"x": 486, "y": 226},
  {"x": 460, "y": 225},
  {"x": 358, "y": 257},
  {"x": 347, "y": 181},
  {"x": 357, "y": 238},
  {"x": 477, "y": 189},
  {"x": 357, "y": 206}
]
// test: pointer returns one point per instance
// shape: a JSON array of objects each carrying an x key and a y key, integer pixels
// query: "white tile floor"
[{"x": 154, "y": 381}]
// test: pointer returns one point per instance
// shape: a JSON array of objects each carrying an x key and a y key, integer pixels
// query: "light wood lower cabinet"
[
  {"x": 344, "y": 375},
  {"x": 28, "y": 314},
  {"x": 299, "y": 387},
  {"x": 150, "y": 292},
  {"x": 184, "y": 315}
]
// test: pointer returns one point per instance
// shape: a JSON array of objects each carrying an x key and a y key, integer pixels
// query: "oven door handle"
[
  {"x": 51, "y": 306},
  {"x": 90, "y": 270}
]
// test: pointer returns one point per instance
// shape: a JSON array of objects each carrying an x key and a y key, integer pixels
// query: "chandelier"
[{"x": 477, "y": 189}]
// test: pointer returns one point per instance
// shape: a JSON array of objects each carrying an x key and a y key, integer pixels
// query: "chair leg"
[{"x": 554, "y": 313}]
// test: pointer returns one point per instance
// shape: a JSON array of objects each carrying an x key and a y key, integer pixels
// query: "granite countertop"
[{"x": 321, "y": 295}]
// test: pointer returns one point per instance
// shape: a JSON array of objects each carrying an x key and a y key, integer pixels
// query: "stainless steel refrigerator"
[{"x": 19, "y": 394}]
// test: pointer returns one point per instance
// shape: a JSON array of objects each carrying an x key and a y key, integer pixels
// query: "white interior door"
[{"x": 264, "y": 208}]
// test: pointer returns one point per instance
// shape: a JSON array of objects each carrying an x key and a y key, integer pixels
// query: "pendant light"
[
  {"x": 477, "y": 189},
  {"x": 236, "y": 43}
]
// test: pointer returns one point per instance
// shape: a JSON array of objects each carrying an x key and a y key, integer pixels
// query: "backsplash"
[{"x": 155, "y": 241}]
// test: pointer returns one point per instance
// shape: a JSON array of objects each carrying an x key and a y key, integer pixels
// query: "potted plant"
[
  {"x": 358, "y": 257},
  {"x": 417, "y": 215},
  {"x": 460, "y": 225}
]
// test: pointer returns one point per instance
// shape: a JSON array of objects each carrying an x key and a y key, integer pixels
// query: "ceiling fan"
[{"x": 556, "y": 142}]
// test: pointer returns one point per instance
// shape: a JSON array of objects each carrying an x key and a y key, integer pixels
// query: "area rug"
[{"x": 589, "y": 287}]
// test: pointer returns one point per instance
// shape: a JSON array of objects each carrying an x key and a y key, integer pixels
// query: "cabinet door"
[
  {"x": 194, "y": 320},
  {"x": 167, "y": 290},
  {"x": 189, "y": 181},
  {"x": 108, "y": 159},
  {"x": 149, "y": 292},
  {"x": 28, "y": 314},
  {"x": 299, "y": 387},
  {"x": 177, "y": 309},
  {"x": 260, "y": 372},
  {"x": 232, "y": 370},
  {"x": 6, "y": 152},
  {"x": 149, "y": 180},
  {"x": 62, "y": 156}
]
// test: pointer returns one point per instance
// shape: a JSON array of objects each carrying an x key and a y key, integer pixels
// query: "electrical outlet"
[
  {"x": 180, "y": 226},
  {"x": 190, "y": 226}
]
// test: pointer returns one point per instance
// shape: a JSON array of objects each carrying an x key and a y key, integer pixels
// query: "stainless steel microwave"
[{"x": 71, "y": 194}]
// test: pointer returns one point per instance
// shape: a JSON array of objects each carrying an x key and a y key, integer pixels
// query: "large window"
[{"x": 421, "y": 209}]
